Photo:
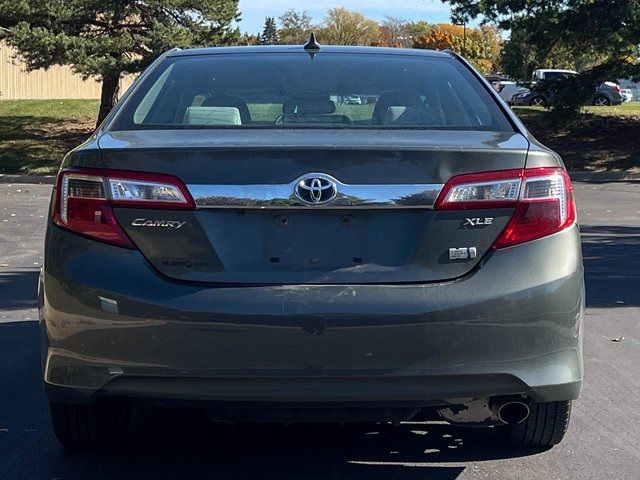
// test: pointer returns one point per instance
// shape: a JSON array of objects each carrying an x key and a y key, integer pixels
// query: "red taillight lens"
[
  {"x": 542, "y": 197},
  {"x": 85, "y": 197},
  {"x": 546, "y": 206}
]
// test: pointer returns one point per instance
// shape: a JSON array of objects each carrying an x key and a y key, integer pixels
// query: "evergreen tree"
[{"x": 269, "y": 32}]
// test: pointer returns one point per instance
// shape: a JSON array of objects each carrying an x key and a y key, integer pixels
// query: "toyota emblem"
[{"x": 316, "y": 189}]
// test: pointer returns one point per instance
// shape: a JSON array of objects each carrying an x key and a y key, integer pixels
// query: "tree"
[
  {"x": 605, "y": 31},
  {"x": 106, "y": 38},
  {"x": 269, "y": 32},
  {"x": 295, "y": 27},
  {"x": 418, "y": 29},
  {"x": 519, "y": 57},
  {"x": 481, "y": 46},
  {"x": 394, "y": 32},
  {"x": 437, "y": 39},
  {"x": 346, "y": 27},
  {"x": 250, "y": 39}
]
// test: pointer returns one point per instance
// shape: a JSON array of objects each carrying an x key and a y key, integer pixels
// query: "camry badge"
[
  {"x": 316, "y": 189},
  {"x": 172, "y": 224}
]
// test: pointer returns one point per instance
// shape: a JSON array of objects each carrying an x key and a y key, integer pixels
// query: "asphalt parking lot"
[{"x": 603, "y": 440}]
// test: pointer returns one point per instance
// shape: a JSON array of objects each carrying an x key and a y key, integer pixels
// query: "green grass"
[
  {"x": 36, "y": 134},
  {"x": 631, "y": 109},
  {"x": 265, "y": 112},
  {"x": 58, "y": 109}
]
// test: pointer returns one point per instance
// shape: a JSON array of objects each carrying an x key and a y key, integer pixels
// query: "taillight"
[
  {"x": 85, "y": 199},
  {"x": 481, "y": 190},
  {"x": 542, "y": 197}
]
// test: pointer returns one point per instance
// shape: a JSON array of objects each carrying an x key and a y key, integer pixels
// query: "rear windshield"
[{"x": 292, "y": 90}]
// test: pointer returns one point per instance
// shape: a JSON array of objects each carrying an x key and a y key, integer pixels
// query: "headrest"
[
  {"x": 391, "y": 106},
  {"x": 212, "y": 116},
  {"x": 229, "y": 101},
  {"x": 309, "y": 106}
]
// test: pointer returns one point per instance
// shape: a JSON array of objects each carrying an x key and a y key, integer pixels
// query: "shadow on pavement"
[
  {"x": 612, "y": 265},
  {"x": 183, "y": 443},
  {"x": 596, "y": 181},
  {"x": 18, "y": 289}
]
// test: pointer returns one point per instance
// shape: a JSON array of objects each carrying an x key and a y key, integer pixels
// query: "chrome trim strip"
[{"x": 264, "y": 196}]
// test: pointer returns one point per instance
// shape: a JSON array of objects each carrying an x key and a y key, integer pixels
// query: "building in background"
[{"x": 57, "y": 82}]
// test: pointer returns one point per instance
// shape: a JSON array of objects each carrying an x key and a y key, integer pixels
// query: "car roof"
[
  {"x": 545, "y": 70},
  {"x": 257, "y": 49}
]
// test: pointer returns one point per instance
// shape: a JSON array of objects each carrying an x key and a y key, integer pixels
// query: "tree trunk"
[{"x": 109, "y": 95}]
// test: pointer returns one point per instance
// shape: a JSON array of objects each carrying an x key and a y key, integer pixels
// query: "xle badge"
[
  {"x": 477, "y": 222},
  {"x": 462, "y": 253}
]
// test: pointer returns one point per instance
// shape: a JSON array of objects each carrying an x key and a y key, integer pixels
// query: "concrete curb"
[
  {"x": 576, "y": 176},
  {"x": 37, "y": 179}
]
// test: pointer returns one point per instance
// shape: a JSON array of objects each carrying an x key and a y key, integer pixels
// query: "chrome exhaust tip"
[{"x": 513, "y": 412}]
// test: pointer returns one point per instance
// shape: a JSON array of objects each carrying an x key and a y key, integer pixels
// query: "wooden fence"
[{"x": 16, "y": 83}]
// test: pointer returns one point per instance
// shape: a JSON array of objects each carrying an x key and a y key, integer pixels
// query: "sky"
[{"x": 254, "y": 11}]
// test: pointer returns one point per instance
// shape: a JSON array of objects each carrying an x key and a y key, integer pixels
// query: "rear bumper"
[
  {"x": 423, "y": 391},
  {"x": 114, "y": 326}
]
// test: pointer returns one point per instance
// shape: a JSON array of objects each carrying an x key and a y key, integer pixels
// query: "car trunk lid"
[{"x": 250, "y": 226}]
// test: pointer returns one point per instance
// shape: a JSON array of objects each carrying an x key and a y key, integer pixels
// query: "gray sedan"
[{"x": 233, "y": 240}]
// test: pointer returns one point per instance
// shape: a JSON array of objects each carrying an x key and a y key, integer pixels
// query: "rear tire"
[
  {"x": 537, "y": 102},
  {"x": 101, "y": 424},
  {"x": 544, "y": 427},
  {"x": 601, "y": 101}
]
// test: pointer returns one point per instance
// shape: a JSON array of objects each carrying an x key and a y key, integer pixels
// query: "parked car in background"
[
  {"x": 630, "y": 87},
  {"x": 627, "y": 94},
  {"x": 507, "y": 89},
  {"x": 551, "y": 75},
  {"x": 505, "y": 86},
  {"x": 352, "y": 100},
  {"x": 607, "y": 93},
  {"x": 229, "y": 240}
]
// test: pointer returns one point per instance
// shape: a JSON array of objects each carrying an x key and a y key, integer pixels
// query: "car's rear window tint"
[{"x": 292, "y": 90}]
